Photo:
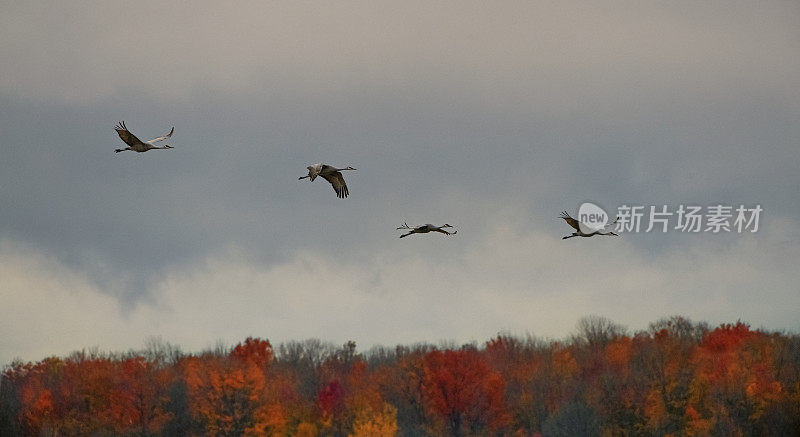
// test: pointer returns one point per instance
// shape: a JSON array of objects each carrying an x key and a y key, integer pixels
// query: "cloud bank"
[{"x": 491, "y": 119}]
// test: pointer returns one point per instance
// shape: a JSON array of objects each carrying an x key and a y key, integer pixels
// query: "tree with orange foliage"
[
  {"x": 225, "y": 392},
  {"x": 664, "y": 370},
  {"x": 520, "y": 364},
  {"x": 39, "y": 409},
  {"x": 139, "y": 396},
  {"x": 401, "y": 384},
  {"x": 306, "y": 429},
  {"x": 82, "y": 389},
  {"x": 254, "y": 351},
  {"x": 734, "y": 379},
  {"x": 464, "y": 391},
  {"x": 561, "y": 373},
  {"x": 677, "y": 378}
]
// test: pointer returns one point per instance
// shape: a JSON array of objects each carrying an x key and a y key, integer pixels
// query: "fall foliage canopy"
[{"x": 677, "y": 377}]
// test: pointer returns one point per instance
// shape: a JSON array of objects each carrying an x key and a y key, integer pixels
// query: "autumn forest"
[{"x": 677, "y": 377}]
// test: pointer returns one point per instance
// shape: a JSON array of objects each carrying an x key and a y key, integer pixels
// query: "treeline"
[{"x": 677, "y": 377}]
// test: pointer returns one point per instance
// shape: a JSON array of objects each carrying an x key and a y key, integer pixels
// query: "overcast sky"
[{"x": 493, "y": 117}]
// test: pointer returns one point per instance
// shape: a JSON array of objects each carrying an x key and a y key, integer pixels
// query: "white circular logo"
[{"x": 591, "y": 218}]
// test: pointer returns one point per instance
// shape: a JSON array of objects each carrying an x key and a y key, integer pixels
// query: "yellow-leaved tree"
[{"x": 376, "y": 423}]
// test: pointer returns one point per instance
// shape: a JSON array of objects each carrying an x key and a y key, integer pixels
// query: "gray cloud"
[
  {"x": 451, "y": 112},
  {"x": 510, "y": 279}
]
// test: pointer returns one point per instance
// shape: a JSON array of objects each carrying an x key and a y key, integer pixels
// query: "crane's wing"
[
  {"x": 337, "y": 181},
  {"x": 126, "y": 135},
  {"x": 570, "y": 221},
  {"x": 155, "y": 140},
  {"x": 314, "y": 170}
]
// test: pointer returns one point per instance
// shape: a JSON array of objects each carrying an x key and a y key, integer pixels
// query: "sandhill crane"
[
  {"x": 135, "y": 144},
  {"x": 332, "y": 175},
  {"x": 577, "y": 225},
  {"x": 424, "y": 229}
]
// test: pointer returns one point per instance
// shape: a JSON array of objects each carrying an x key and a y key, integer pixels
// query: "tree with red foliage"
[
  {"x": 253, "y": 350},
  {"x": 330, "y": 399},
  {"x": 677, "y": 378},
  {"x": 464, "y": 391},
  {"x": 139, "y": 396}
]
